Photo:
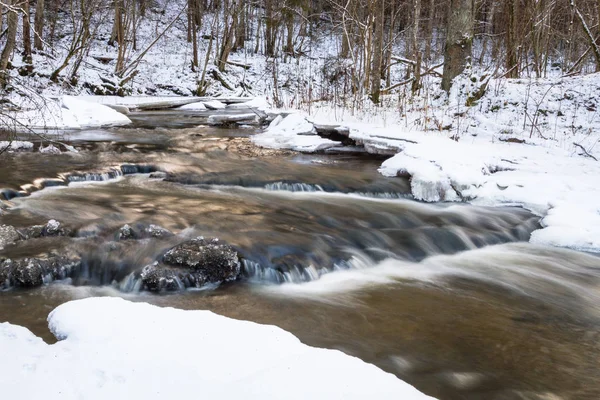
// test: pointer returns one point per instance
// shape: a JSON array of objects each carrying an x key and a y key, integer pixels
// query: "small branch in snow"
[{"x": 585, "y": 152}]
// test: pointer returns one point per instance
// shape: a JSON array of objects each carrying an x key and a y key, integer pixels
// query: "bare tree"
[
  {"x": 38, "y": 25},
  {"x": 12, "y": 21},
  {"x": 459, "y": 40}
]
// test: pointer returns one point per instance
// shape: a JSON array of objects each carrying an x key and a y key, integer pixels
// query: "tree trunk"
[
  {"x": 26, "y": 33},
  {"x": 416, "y": 83},
  {"x": 379, "y": 9},
  {"x": 1, "y": 17},
  {"x": 38, "y": 25},
  {"x": 511, "y": 40},
  {"x": 588, "y": 35},
  {"x": 429, "y": 39},
  {"x": 459, "y": 40},
  {"x": 12, "y": 22}
]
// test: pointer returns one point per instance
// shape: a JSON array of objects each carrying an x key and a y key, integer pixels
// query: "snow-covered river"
[{"x": 449, "y": 297}]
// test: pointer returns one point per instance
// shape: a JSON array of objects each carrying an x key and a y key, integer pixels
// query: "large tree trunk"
[
  {"x": 379, "y": 10},
  {"x": 511, "y": 41},
  {"x": 26, "y": 33},
  {"x": 12, "y": 21},
  {"x": 38, "y": 25},
  {"x": 459, "y": 40},
  {"x": 429, "y": 39}
]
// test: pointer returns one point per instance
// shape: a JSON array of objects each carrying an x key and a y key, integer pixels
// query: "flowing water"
[{"x": 449, "y": 297}]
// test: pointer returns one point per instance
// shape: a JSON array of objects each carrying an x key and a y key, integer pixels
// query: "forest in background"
[{"x": 366, "y": 49}]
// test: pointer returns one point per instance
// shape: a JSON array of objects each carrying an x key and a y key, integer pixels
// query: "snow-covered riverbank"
[
  {"x": 112, "y": 348},
  {"x": 486, "y": 155}
]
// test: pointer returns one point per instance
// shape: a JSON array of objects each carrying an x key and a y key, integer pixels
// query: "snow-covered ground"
[
  {"x": 110, "y": 348},
  {"x": 64, "y": 112},
  {"x": 529, "y": 143}
]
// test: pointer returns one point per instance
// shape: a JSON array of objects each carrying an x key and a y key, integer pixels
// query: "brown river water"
[{"x": 449, "y": 297}]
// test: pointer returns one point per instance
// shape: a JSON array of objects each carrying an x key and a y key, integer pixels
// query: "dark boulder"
[
  {"x": 34, "y": 271},
  {"x": 158, "y": 278},
  {"x": 28, "y": 273},
  {"x": 194, "y": 263},
  {"x": 216, "y": 261}
]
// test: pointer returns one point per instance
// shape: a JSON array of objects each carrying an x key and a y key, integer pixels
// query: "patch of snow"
[
  {"x": 91, "y": 115},
  {"x": 112, "y": 348},
  {"x": 199, "y": 106},
  {"x": 292, "y": 132},
  {"x": 50, "y": 149},
  {"x": 15, "y": 145},
  {"x": 257, "y": 102},
  {"x": 214, "y": 105}
]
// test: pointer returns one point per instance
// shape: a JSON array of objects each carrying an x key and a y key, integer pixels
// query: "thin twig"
[{"x": 585, "y": 151}]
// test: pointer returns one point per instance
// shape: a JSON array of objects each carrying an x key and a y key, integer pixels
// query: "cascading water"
[{"x": 450, "y": 297}]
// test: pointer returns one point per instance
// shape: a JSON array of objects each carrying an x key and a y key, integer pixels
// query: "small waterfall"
[
  {"x": 70, "y": 177},
  {"x": 290, "y": 274},
  {"x": 293, "y": 187},
  {"x": 307, "y": 187}
]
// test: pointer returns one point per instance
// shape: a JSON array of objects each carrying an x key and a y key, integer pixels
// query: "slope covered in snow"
[{"x": 110, "y": 348}]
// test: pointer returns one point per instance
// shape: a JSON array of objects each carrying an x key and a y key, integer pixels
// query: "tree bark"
[
  {"x": 379, "y": 9},
  {"x": 26, "y": 33},
  {"x": 12, "y": 21},
  {"x": 588, "y": 35},
  {"x": 416, "y": 83},
  {"x": 38, "y": 25},
  {"x": 511, "y": 40},
  {"x": 459, "y": 40}
]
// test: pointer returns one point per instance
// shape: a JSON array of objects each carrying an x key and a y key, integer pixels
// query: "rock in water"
[
  {"x": 52, "y": 228},
  {"x": 159, "y": 232},
  {"x": 192, "y": 264},
  {"x": 32, "y": 272},
  {"x": 157, "y": 278},
  {"x": 216, "y": 261},
  {"x": 8, "y": 235},
  {"x": 126, "y": 232},
  {"x": 28, "y": 273}
]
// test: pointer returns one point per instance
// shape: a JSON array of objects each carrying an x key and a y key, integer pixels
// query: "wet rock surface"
[
  {"x": 126, "y": 233},
  {"x": 192, "y": 264},
  {"x": 217, "y": 261},
  {"x": 52, "y": 228},
  {"x": 35, "y": 271},
  {"x": 142, "y": 231},
  {"x": 8, "y": 235}
]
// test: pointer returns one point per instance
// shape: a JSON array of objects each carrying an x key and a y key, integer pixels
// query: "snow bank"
[
  {"x": 114, "y": 349},
  {"x": 214, "y": 105},
  {"x": 66, "y": 112},
  {"x": 15, "y": 145},
  {"x": 91, "y": 115},
  {"x": 193, "y": 107},
  {"x": 549, "y": 181},
  {"x": 292, "y": 132}
]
